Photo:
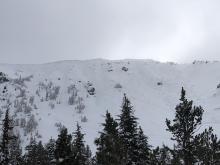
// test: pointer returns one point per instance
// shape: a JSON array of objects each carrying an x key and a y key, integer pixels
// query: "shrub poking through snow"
[
  {"x": 160, "y": 83},
  {"x": 31, "y": 100},
  {"x": 3, "y": 78},
  {"x": 91, "y": 90},
  {"x": 84, "y": 119},
  {"x": 52, "y": 105},
  {"x": 118, "y": 86},
  {"x": 124, "y": 68}
]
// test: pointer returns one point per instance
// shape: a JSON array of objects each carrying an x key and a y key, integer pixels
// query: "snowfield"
[{"x": 43, "y": 92}]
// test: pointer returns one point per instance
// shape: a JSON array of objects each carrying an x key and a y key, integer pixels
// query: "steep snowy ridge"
[{"x": 81, "y": 91}]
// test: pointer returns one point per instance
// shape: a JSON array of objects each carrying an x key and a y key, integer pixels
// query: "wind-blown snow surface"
[{"x": 153, "y": 103}]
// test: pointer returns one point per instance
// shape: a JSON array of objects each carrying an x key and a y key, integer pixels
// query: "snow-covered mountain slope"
[{"x": 45, "y": 97}]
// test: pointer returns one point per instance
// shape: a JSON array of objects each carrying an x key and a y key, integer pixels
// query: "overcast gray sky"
[{"x": 38, "y": 31}]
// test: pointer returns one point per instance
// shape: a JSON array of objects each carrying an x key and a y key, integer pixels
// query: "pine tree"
[
  {"x": 155, "y": 156},
  {"x": 143, "y": 148},
  {"x": 36, "y": 154},
  {"x": 7, "y": 137},
  {"x": 42, "y": 154},
  {"x": 15, "y": 155},
  {"x": 50, "y": 149},
  {"x": 63, "y": 150},
  {"x": 128, "y": 131},
  {"x": 80, "y": 152},
  {"x": 10, "y": 145},
  {"x": 186, "y": 121},
  {"x": 165, "y": 155},
  {"x": 31, "y": 152},
  {"x": 88, "y": 155},
  {"x": 208, "y": 147},
  {"x": 161, "y": 156},
  {"x": 175, "y": 156},
  {"x": 109, "y": 143}
]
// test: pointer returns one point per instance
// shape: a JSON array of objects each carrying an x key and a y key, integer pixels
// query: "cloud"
[{"x": 49, "y": 30}]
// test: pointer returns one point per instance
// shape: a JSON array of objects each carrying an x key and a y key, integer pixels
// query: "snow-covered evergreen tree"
[
  {"x": 143, "y": 148},
  {"x": 15, "y": 155},
  {"x": 7, "y": 137},
  {"x": 80, "y": 152},
  {"x": 208, "y": 147},
  {"x": 50, "y": 149},
  {"x": 128, "y": 130},
  {"x": 109, "y": 144},
  {"x": 63, "y": 152},
  {"x": 36, "y": 154},
  {"x": 186, "y": 121},
  {"x": 31, "y": 152}
]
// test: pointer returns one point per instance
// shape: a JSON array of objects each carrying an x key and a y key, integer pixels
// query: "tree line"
[{"x": 121, "y": 141}]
